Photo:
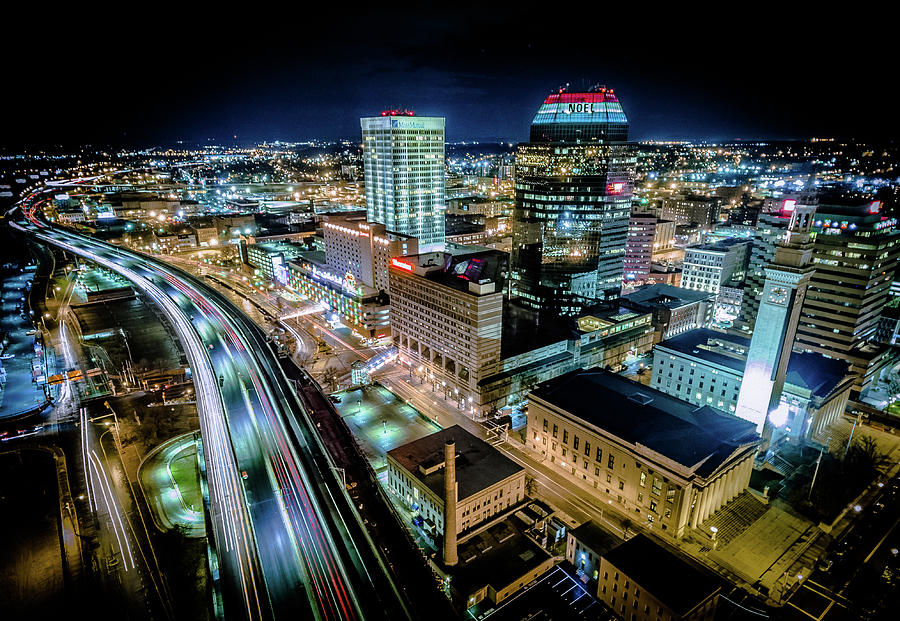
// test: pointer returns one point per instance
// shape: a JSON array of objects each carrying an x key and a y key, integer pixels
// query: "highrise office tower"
[
  {"x": 573, "y": 202},
  {"x": 856, "y": 252},
  {"x": 787, "y": 278},
  {"x": 403, "y": 157}
]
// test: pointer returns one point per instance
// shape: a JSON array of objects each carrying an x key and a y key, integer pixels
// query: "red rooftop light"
[{"x": 395, "y": 112}]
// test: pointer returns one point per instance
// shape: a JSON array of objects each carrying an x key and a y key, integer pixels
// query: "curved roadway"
[{"x": 284, "y": 531}]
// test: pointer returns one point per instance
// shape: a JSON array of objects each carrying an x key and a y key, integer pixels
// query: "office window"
[
  {"x": 587, "y": 449},
  {"x": 555, "y": 430},
  {"x": 546, "y": 425},
  {"x": 611, "y": 462},
  {"x": 565, "y": 436},
  {"x": 657, "y": 486},
  {"x": 575, "y": 443},
  {"x": 599, "y": 454},
  {"x": 643, "y": 479}
]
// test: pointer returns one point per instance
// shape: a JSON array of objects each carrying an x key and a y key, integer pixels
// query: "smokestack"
[{"x": 450, "y": 558}]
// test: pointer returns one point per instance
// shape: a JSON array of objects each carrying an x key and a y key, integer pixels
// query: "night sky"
[{"x": 173, "y": 73}]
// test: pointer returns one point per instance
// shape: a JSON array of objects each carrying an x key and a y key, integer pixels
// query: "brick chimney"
[{"x": 450, "y": 558}]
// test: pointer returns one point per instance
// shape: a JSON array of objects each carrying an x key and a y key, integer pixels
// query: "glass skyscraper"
[
  {"x": 403, "y": 158},
  {"x": 573, "y": 203}
]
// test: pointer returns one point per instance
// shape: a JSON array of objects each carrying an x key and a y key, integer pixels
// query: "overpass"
[{"x": 285, "y": 538}]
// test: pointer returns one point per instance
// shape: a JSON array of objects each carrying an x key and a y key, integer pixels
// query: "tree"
[
  {"x": 626, "y": 526},
  {"x": 530, "y": 485},
  {"x": 330, "y": 379}
]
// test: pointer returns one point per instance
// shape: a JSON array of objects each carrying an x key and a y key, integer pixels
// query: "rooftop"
[
  {"x": 458, "y": 270},
  {"x": 700, "y": 438},
  {"x": 680, "y": 585},
  {"x": 595, "y": 538},
  {"x": 720, "y": 246},
  {"x": 496, "y": 556},
  {"x": 478, "y": 464},
  {"x": 807, "y": 370},
  {"x": 667, "y": 296}
]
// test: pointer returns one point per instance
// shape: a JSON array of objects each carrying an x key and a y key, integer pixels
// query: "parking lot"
[{"x": 558, "y": 594}]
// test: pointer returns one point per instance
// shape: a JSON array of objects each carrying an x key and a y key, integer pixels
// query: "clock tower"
[{"x": 787, "y": 277}]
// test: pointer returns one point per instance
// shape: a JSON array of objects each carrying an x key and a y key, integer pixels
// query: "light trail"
[{"x": 267, "y": 425}]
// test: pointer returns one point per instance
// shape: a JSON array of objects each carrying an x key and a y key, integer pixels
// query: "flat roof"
[
  {"x": 808, "y": 370},
  {"x": 695, "y": 437},
  {"x": 478, "y": 464},
  {"x": 496, "y": 556},
  {"x": 680, "y": 585},
  {"x": 595, "y": 538},
  {"x": 457, "y": 270},
  {"x": 525, "y": 330},
  {"x": 694, "y": 343},
  {"x": 721, "y": 246},
  {"x": 668, "y": 296}
]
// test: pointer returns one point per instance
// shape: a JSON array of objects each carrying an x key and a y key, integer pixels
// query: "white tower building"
[
  {"x": 403, "y": 157},
  {"x": 776, "y": 323}
]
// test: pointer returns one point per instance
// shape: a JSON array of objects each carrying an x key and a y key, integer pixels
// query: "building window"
[
  {"x": 599, "y": 454},
  {"x": 565, "y": 436},
  {"x": 575, "y": 443},
  {"x": 587, "y": 449},
  {"x": 555, "y": 430},
  {"x": 640, "y": 496},
  {"x": 657, "y": 486},
  {"x": 643, "y": 479},
  {"x": 546, "y": 425},
  {"x": 670, "y": 495},
  {"x": 653, "y": 506},
  {"x": 621, "y": 484},
  {"x": 611, "y": 462}
]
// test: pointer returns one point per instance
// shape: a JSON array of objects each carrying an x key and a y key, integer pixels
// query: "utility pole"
[
  {"x": 818, "y": 461},
  {"x": 852, "y": 429}
]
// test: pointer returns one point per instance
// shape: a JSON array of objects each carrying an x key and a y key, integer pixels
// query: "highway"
[{"x": 284, "y": 531}]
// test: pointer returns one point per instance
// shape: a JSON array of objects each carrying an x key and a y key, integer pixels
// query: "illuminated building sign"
[
  {"x": 402, "y": 265},
  {"x": 874, "y": 206},
  {"x": 580, "y": 108},
  {"x": 613, "y": 189},
  {"x": 788, "y": 205}
]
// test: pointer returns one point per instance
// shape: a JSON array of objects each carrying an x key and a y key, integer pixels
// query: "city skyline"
[{"x": 404, "y": 312}]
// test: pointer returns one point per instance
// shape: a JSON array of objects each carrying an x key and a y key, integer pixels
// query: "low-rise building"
[
  {"x": 642, "y": 580},
  {"x": 675, "y": 310},
  {"x": 705, "y": 367},
  {"x": 664, "y": 235},
  {"x": 585, "y": 546},
  {"x": 359, "y": 306},
  {"x": 488, "y": 482},
  {"x": 271, "y": 258},
  {"x": 702, "y": 210},
  {"x": 708, "y": 267},
  {"x": 671, "y": 463}
]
